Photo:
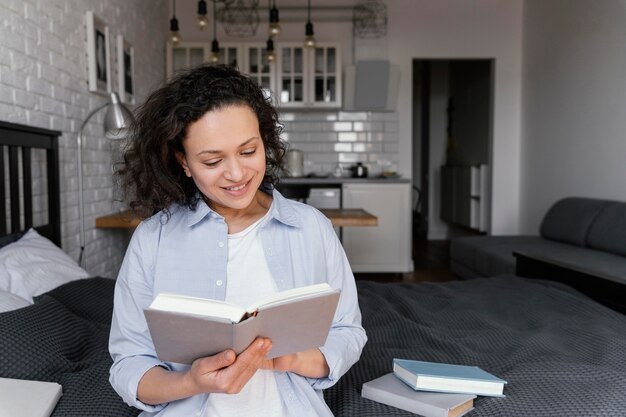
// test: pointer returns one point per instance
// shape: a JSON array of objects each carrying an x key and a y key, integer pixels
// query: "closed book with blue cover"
[{"x": 443, "y": 377}]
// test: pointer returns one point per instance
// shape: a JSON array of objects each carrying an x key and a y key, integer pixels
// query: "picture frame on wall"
[
  {"x": 98, "y": 55},
  {"x": 125, "y": 70}
]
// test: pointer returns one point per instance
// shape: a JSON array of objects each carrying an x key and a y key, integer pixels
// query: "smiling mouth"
[{"x": 236, "y": 188}]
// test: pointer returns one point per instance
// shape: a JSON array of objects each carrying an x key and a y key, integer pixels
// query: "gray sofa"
[{"x": 580, "y": 232}]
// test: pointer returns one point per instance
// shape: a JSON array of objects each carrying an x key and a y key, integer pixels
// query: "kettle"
[
  {"x": 359, "y": 170},
  {"x": 295, "y": 162}
]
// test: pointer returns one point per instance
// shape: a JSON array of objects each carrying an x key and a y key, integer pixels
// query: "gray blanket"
[
  {"x": 63, "y": 337},
  {"x": 562, "y": 353}
]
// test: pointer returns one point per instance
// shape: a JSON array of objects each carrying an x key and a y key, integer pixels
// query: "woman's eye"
[
  {"x": 249, "y": 152},
  {"x": 212, "y": 163}
]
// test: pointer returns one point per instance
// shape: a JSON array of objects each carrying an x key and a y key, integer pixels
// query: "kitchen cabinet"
[
  {"x": 300, "y": 77},
  {"x": 185, "y": 55},
  {"x": 309, "y": 77},
  {"x": 388, "y": 246},
  {"x": 256, "y": 65}
]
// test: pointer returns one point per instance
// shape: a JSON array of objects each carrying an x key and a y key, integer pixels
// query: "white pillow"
[
  {"x": 34, "y": 265},
  {"x": 10, "y": 302}
]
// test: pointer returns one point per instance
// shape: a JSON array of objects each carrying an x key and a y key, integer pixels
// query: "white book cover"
[
  {"x": 388, "y": 389},
  {"x": 23, "y": 398}
]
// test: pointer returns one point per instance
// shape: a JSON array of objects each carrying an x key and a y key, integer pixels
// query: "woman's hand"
[
  {"x": 225, "y": 372},
  {"x": 310, "y": 363}
]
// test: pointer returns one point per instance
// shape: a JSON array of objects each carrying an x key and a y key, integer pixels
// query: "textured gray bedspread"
[{"x": 562, "y": 353}]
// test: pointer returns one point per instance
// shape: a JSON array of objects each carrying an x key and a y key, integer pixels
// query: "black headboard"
[{"x": 16, "y": 145}]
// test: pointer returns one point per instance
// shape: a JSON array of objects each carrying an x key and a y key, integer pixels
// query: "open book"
[{"x": 186, "y": 328}]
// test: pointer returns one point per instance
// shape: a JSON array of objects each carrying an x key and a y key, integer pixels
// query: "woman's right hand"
[{"x": 226, "y": 372}]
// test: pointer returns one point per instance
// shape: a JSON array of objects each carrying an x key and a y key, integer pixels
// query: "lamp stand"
[{"x": 81, "y": 203}]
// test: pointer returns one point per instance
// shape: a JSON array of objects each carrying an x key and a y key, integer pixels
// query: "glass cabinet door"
[
  {"x": 292, "y": 62},
  {"x": 259, "y": 68},
  {"x": 183, "y": 56},
  {"x": 326, "y": 76},
  {"x": 229, "y": 55},
  {"x": 187, "y": 55}
]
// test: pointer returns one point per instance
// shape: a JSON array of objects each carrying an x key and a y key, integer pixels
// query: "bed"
[{"x": 562, "y": 353}]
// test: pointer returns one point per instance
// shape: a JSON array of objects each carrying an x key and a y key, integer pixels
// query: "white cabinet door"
[
  {"x": 259, "y": 68},
  {"x": 308, "y": 78},
  {"x": 187, "y": 55},
  {"x": 386, "y": 247},
  {"x": 293, "y": 62},
  {"x": 325, "y": 76}
]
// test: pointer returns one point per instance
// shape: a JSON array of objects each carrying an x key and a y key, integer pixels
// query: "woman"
[{"x": 204, "y": 156}]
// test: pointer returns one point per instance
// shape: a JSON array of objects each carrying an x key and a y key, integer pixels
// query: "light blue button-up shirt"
[{"x": 188, "y": 255}]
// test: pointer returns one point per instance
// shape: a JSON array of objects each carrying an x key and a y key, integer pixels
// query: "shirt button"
[
  {"x": 219, "y": 283},
  {"x": 220, "y": 244}
]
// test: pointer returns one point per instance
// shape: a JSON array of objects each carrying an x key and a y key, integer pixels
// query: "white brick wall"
[
  {"x": 43, "y": 83},
  {"x": 331, "y": 138}
]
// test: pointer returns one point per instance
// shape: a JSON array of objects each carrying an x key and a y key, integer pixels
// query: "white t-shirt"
[{"x": 249, "y": 280}]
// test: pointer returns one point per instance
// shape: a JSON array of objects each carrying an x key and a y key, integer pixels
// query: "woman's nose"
[{"x": 234, "y": 170}]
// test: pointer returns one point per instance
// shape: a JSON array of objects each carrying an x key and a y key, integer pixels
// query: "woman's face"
[{"x": 225, "y": 156}]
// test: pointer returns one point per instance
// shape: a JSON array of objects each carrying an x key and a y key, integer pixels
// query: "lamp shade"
[{"x": 117, "y": 119}]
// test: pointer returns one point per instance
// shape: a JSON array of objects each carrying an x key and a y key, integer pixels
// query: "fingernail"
[{"x": 261, "y": 344}]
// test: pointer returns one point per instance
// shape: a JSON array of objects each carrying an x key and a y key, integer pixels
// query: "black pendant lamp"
[
  {"x": 309, "y": 39},
  {"x": 215, "y": 45},
  {"x": 203, "y": 20},
  {"x": 174, "y": 34},
  {"x": 274, "y": 27},
  {"x": 271, "y": 54}
]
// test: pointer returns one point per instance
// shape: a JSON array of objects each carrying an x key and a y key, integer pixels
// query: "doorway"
[{"x": 452, "y": 139}]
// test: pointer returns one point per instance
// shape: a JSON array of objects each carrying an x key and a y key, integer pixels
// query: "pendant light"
[
  {"x": 215, "y": 46},
  {"x": 271, "y": 55},
  {"x": 203, "y": 20},
  {"x": 309, "y": 40},
  {"x": 274, "y": 28},
  {"x": 174, "y": 34}
]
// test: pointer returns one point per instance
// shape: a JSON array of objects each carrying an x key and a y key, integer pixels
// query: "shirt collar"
[
  {"x": 280, "y": 210},
  {"x": 283, "y": 211}
]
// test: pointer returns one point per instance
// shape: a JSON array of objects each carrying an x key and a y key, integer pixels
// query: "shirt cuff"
[{"x": 132, "y": 370}]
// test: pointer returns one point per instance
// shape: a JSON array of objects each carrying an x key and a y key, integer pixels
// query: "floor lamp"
[{"x": 117, "y": 120}]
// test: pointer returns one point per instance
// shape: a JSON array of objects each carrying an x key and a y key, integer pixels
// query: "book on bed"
[
  {"x": 443, "y": 377},
  {"x": 186, "y": 328},
  {"x": 389, "y": 390},
  {"x": 25, "y": 398}
]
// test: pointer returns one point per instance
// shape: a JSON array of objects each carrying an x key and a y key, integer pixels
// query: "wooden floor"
[{"x": 431, "y": 260}]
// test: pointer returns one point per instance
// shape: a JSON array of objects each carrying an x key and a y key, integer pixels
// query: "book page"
[
  {"x": 198, "y": 306},
  {"x": 288, "y": 296}
]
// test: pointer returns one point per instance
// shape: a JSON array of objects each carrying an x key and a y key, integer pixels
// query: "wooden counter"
[{"x": 338, "y": 217}]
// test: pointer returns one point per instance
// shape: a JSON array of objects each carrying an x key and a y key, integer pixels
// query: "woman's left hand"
[
  {"x": 310, "y": 363},
  {"x": 281, "y": 363}
]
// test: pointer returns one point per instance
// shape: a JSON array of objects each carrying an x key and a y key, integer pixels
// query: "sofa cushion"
[
  {"x": 569, "y": 219},
  {"x": 593, "y": 262},
  {"x": 608, "y": 231},
  {"x": 486, "y": 256}
]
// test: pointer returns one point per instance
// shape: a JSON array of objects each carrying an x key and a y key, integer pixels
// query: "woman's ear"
[{"x": 180, "y": 157}]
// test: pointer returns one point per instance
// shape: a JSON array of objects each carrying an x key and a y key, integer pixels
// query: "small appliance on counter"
[
  {"x": 359, "y": 171},
  {"x": 295, "y": 163}
]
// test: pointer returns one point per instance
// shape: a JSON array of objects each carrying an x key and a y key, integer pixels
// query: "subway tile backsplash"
[{"x": 341, "y": 138}]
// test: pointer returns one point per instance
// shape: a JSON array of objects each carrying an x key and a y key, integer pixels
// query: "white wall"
[
  {"x": 467, "y": 29},
  {"x": 574, "y": 123},
  {"x": 43, "y": 83}
]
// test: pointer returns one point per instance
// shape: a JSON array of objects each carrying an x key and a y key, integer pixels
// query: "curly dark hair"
[{"x": 150, "y": 177}]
